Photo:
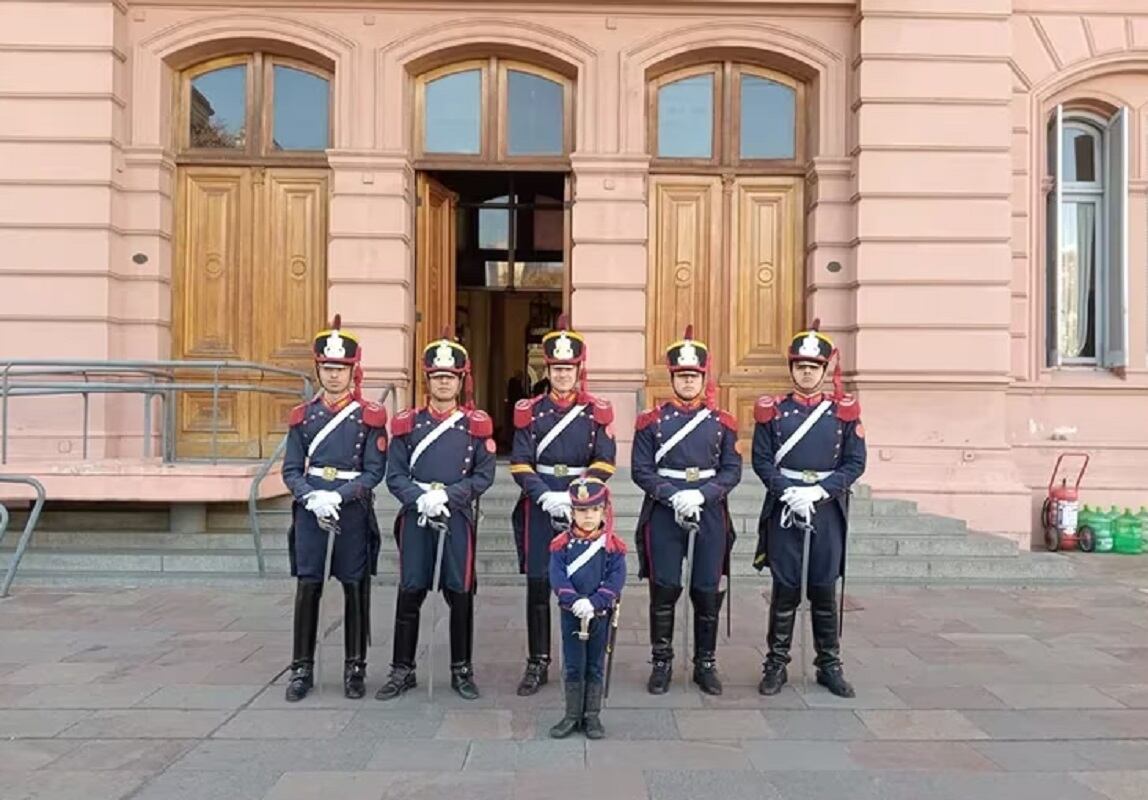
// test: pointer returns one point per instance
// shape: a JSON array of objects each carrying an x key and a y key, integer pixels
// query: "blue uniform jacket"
[
  {"x": 600, "y": 579},
  {"x": 462, "y": 459},
  {"x": 359, "y": 444},
  {"x": 711, "y": 445},
  {"x": 588, "y": 442},
  {"x": 834, "y": 444}
]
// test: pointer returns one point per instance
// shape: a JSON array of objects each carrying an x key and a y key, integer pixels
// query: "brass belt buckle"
[
  {"x": 692, "y": 474},
  {"x": 436, "y": 486},
  {"x": 329, "y": 473},
  {"x": 809, "y": 476},
  {"x": 561, "y": 470}
]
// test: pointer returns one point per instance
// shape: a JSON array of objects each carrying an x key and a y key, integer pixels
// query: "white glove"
[
  {"x": 324, "y": 504},
  {"x": 436, "y": 503},
  {"x": 583, "y": 608},
  {"x": 556, "y": 504},
  {"x": 688, "y": 502}
]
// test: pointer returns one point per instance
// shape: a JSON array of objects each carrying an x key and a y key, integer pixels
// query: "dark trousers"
[{"x": 585, "y": 661}]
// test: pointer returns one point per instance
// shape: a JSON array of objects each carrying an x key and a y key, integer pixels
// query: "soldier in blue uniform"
[
  {"x": 808, "y": 449},
  {"x": 587, "y": 571},
  {"x": 441, "y": 461},
  {"x": 559, "y": 436},
  {"x": 685, "y": 459},
  {"x": 336, "y": 456}
]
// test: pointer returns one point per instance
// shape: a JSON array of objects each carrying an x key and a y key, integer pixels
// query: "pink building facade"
[{"x": 958, "y": 189}]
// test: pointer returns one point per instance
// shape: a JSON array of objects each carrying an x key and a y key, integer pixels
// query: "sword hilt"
[{"x": 583, "y": 632}]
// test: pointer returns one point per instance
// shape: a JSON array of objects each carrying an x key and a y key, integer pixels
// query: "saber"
[
  {"x": 610, "y": 642},
  {"x": 440, "y": 528},
  {"x": 692, "y": 527},
  {"x": 583, "y": 632},
  {"x": 332, "y": 529},
  {"x": 802, "y": 604}
]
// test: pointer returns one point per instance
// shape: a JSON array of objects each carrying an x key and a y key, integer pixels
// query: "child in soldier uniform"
[{"x": 587, "y": 571}]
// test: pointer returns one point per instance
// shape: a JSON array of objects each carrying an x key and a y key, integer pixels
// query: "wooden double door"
[
  {"x": 250, "y": 284},
  {"x": 726, "y": 256}
]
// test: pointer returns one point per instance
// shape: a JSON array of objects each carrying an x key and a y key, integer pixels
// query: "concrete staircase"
[{"x": 890, "y": 542}]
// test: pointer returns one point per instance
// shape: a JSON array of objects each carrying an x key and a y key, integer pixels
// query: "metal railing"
[
  {"x": 29, "y": 526},
  {"x": 151, "y": 379},
  {"x": 387, "y": 398}
]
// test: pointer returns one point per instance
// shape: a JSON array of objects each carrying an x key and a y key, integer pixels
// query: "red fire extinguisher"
[{"x": 1061, "y": 508}]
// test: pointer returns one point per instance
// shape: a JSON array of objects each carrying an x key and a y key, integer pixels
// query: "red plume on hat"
[{"x": 835, "y": 357}]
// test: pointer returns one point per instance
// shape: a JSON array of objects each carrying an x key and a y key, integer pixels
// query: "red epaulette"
[
  {"x": 614, "y": 543},
  {"x": 524, "y": 411},
  {"x": 297, "y": 415},
  {"x": 647, "y": 418},
  {"x": 728, "y": 419},
  {"x": 603, "y": 411},
  {"x": 848, "y": 409},
  {"x": 481, "y": 425},
  {"x": 374, "y": 415},
  {"x": 765, "y": 409},
  {"x": 558, "y": 542},
  {"x": 403, "y": 423}
]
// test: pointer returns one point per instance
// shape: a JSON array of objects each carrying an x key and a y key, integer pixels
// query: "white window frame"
[{"x": 1110, "y": 270}]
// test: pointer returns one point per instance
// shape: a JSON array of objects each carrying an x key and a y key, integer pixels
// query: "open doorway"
[{"x": 492, "y": 261}]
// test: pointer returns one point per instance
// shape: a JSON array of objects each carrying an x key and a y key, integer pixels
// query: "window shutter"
[
  {"x": 1055, "y": 285},
  {"x": 1114, "y": 288}
]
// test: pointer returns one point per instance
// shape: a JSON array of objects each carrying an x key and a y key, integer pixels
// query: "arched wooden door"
[{"x": 250, "y": 278}]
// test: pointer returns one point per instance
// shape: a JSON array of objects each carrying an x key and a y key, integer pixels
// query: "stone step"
[
  {"x": 1047, "y": 566},
  {"x": 491, "y": 541}
]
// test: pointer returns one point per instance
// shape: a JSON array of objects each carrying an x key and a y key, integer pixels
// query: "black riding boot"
[
  {"x": 537, "y": 637},
  {"x": 707, "y": 611},
  {"x": 461, "y": 644},
  {"x": 662, "y": 601},
  {"x": 573, "y": 719},
  {"x": 307, "y": 594},
  {"x": 402, "y": 676},
  {"x": 356, "y": 624},
  {"x": 783, "y": 604},
  {"x": 591, "y": 724},
  {"x": 823, "y": 605}
]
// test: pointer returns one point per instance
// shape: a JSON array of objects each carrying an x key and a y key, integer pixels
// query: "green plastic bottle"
[
  {"x": 1105, "y": 521},
  {"x": 1127, "y": 538}
]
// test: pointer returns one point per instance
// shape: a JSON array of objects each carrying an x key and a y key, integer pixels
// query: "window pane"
[
  {"x": 536, "y": 115},
  {"x": 494, "y": 226},
  {"x": 453, "y": 121},
  {"x": 686, "y": 118},
  {"x": 768, "y": 118},
  {"x": 1080, "y": 146},
  {"x": 1076, "y": 306},
  {"x": 302, "y": 110},
  {"x": 219, "y": 108}
]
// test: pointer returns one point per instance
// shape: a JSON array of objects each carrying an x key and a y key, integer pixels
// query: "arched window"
[
  {"x": 1087, "y": 238},
  {"x": 255, "y": 105},
  {"x": 493, "y": 110},
  {"x": 725, "y": 114}
]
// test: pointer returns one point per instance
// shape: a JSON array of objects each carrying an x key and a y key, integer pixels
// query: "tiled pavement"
[{"x": 176, "y": 692}]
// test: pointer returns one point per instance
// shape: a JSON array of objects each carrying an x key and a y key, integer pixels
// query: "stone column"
[
  {"x": 609, "y": 274},
  {"x": 932, "y": 255},
  {"x": 370, "y": 261}
]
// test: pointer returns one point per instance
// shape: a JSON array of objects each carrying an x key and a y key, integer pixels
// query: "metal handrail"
[
  {"x": 151, "y": 379},
  {"x": 265, "y": 470},
  {"x": 29, "y": 526}
]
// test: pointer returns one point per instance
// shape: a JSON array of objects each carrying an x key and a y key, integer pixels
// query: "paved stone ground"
[{"x": 177, "y": 692}]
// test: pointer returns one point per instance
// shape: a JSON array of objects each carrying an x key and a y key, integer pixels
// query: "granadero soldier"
[
  {"x": 685, "y": 460},
  {"x": 336, "y": 456},
  {"x": 808, "y": 449},
  {"x": 588, "y": 572},
  {"x": 558, "y": 437},
  {"x": 441, "y": 461}
]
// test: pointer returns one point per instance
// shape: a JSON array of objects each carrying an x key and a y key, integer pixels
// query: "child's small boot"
[
  {"x": 591, "y": 724},
  {"x": 569, "y": 723}
]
